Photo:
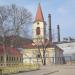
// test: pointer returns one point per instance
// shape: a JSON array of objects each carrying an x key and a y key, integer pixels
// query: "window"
[
  {"x": 20, "y": 59},
  {"x": 37, "y": 23},
  {"x": 17, "y": 58},
  {"x": 12, "y": 58},
  {"x": 38, "y": 31},
  {"x": 1, "y": 58},
  {"x": 7, "y": 58}
]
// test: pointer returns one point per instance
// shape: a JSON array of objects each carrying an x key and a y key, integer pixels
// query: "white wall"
[
  {"x": 68, "y": 48},
  {"x": 42, "y": 30}
]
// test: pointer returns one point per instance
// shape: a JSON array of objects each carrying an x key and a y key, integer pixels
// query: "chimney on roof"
[
  {"x": 50, "y": 29},
  {"x": 58, "y": 33}
]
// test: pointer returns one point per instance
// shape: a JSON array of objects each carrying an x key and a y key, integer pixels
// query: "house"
[
  {"x": 9, "y": 56},
  {"x": 68, "y": 50},
  {"x": 53, "y": 55}
]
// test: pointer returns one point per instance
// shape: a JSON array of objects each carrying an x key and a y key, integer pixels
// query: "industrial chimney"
[
  {"x": 50, "y": 30},
  {"x": 58, "y": 33}
]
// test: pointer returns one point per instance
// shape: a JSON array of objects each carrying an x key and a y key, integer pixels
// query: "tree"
[
  {"x": 41, "y": 44},
  {"x": 12, "y": 21},
  {"x": 15, "y": 21},
  {"x": 21, "y": 18},
  {"x": 3, "y": 17}
]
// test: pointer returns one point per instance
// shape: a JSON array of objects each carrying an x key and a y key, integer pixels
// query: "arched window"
[{"x": 38, "y": 31}]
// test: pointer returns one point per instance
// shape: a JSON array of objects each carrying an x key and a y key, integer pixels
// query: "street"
[{"x": 52, "y": 70}]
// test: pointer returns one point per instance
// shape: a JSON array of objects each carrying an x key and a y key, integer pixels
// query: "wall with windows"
[
  {"x": 51, "y": 54},
  {"x": 11, "y": 60}
]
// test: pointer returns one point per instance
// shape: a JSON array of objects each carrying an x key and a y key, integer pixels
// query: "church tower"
[{"x": 39, "y": 29}]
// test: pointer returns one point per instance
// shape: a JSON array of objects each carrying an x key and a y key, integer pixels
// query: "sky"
[{"x": 62, "y": 13}]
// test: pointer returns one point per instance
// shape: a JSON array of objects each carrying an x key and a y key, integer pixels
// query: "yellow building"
[
  {"x": 9, "y": 56},
  {"x": 52, "y": 56}
]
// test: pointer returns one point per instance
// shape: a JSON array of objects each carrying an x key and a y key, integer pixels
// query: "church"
[{"x": 41, "y": 50}]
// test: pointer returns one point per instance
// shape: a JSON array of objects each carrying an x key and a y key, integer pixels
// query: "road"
[{"x": 52, "y": 70}]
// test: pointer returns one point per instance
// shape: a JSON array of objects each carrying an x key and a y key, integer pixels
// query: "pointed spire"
[{"x": 39, "y": 14}]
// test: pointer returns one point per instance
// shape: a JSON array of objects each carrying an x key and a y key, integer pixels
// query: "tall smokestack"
[
  {"x": 50, "y": 29},
  {"x": 58, "y": 33}
]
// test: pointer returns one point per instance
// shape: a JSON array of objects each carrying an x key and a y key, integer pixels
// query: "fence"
[
  {"x": 69, "y": 60},
  {"x": 48, "y": 60},
  {"x": 34, "y": 63},
  {"x": 51, "y": 60},
  {"x": 18, "y": 68}
]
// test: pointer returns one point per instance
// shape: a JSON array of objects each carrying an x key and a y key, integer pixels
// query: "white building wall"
[
  {"x": 68, "y": 48},
  {"x": 42, "y": 30}
]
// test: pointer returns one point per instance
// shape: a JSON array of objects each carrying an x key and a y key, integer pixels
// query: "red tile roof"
[
  {"x": 39, "y": 14},
  {"x": 9, "y": 50},
  {"x": 29, "y": 46},
  {"x": 34, "y": 45}
]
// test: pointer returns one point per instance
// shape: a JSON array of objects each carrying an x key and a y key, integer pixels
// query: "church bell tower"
[{"x": 39, "y": 26}]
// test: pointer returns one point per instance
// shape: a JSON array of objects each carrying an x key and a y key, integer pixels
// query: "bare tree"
[
  {"x": 44, "y": 46},
  {"x": 15, "y": 21},
  {"x": 41, "y": 44},
  {"x": 21, "y": 18},
  {"x": 3, "y": 17},
  {"x": 12, "y": 21}
]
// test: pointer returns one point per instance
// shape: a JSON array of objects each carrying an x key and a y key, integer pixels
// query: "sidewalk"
[{"x": 52, "y": 70}]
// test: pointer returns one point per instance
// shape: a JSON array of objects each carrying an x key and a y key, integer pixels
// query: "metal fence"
[
  {"x": 69, "y": 59},
  {"x": 51, "y": 60},
  {"x": 48, "y": 60}
]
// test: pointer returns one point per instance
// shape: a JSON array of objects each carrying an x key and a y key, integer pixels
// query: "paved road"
[{"x": 52, "y": 70}]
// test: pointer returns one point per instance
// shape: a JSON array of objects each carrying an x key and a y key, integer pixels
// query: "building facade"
[
  {"x": 69, "y": 51},
  {"x": 53, "y": 55},
  {"x": 10, "y": 56},
  {"x": 39, "y": 50},
  {"x": 39, "y": 27}
]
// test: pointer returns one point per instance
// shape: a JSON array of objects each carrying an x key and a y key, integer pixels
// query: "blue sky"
[{"x": 63, "y": 13}]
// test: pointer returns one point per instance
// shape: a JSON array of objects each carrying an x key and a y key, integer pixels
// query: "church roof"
[{"x": 39, "y": 14}]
